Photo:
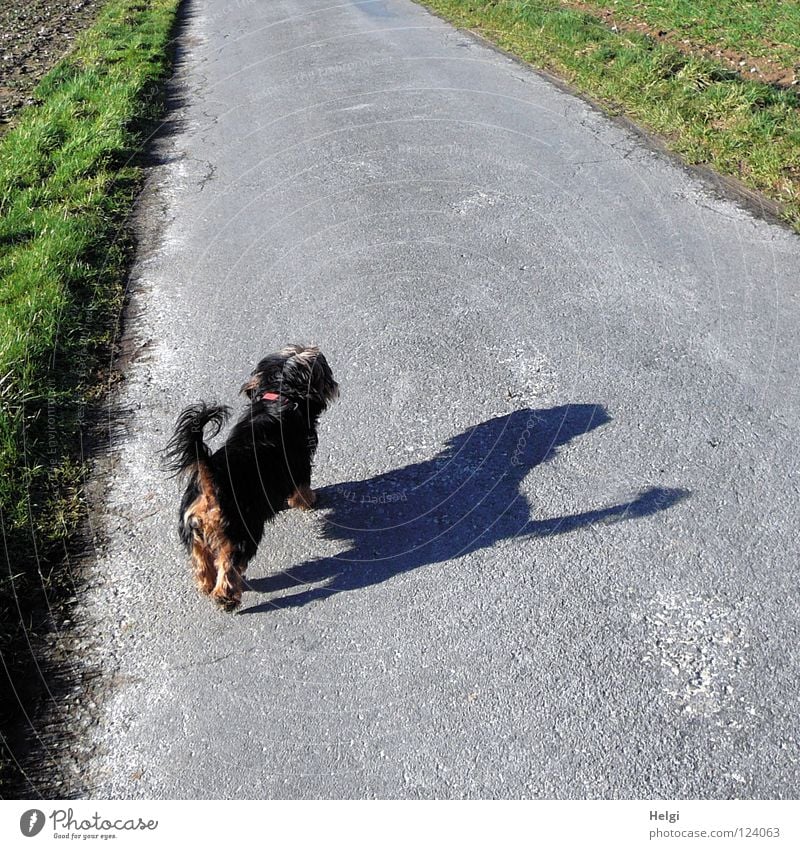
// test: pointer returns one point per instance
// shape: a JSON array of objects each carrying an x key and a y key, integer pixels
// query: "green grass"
[
  {"x": 68, "y": 178},
  {"x": 705, "y": 112},
  {"x": 767, "y": 29}
]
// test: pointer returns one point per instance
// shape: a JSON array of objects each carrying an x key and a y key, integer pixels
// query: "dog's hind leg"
[
  {"x": 227, "y": 590},
  {"x": 203, "y": 563},
  {"x": 193, "y": 532}
]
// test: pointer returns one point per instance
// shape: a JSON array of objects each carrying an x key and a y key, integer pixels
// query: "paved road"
[{"x": 556, "y": 548}]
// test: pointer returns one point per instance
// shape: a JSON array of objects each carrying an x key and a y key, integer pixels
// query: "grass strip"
[
  {"x": 767, "y": 30},
  {"x": 705, "y": 112},
  {"x": 68, "y": 178}
]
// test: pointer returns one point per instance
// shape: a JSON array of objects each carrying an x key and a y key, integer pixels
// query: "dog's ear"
[
  {"x": 250, "y": 386},
  {"x": 326, "y": 387}
]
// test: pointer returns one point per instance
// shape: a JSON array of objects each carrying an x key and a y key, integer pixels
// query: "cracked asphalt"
[{"x": 555, "y": 551}]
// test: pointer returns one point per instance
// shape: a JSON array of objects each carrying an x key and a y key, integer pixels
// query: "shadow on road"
[{"x": 464, "y": 499}]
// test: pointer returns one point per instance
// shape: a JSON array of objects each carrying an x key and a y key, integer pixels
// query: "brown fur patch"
[
  {"x": 250, "y": 385},
  {"x": 212, "y": 552},
  {"x": 303, "y": 497},
  {"x": 307, "y": 353},
  {"x": 228, "y": 589},
  {"x": 203, "y": 563}
]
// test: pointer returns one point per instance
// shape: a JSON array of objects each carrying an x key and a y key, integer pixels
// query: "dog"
[{"x": 264, "y": 464}]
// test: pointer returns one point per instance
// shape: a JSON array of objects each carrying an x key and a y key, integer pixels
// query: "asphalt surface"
[{"x": 555, "y": 552}]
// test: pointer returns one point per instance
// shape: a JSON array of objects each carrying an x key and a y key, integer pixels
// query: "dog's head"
[{"x": 298, "y": 372}]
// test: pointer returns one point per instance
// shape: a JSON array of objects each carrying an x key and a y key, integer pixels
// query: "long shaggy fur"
[
  {"x": 264, "y": 464},
  {"x": 187, "y": 446}
]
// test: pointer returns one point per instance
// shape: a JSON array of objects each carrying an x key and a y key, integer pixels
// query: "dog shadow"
[{"x": 466, "y": 498}]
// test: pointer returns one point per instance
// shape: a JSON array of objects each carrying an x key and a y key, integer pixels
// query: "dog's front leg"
[{"x": 303, "y": 496}]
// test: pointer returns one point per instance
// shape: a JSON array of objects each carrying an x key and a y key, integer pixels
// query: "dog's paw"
[
  {"x": 303, "y": 497},
  {"x": 228, "y": 591},
  {"x": 227, "y": 602}
]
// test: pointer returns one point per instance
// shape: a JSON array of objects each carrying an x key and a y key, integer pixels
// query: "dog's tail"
[{"x": 187, "y": 450}]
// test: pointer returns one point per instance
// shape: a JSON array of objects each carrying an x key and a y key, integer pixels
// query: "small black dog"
[{"x": 265, "y": 462}]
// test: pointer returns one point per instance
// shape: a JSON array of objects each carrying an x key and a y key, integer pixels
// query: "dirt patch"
[
  {"x": 34, "y": 35},
  {"x": 760, "y": 68}
]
